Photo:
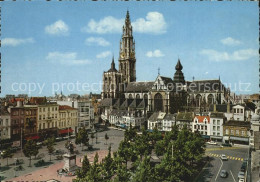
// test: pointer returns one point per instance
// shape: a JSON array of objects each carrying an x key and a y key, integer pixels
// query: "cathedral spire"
[
  {"x": 127, "y": 52},
  {"x": 178, "y": 65},
  {"x": 113, "y": 67}
]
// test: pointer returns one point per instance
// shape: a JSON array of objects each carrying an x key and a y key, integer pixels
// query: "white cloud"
[
  {"x": 67, "y": 58},
  {"x": 104, "y": 54},
  {"x": 230, "y": 41},
  {"x": 15, "y": 42},
  {"x": 153, "y": 23},
  {"x": 57, "y": 28},
  {"x": 243, "y": 54},
  {"x": 108, "y": 24},
  {"x": 156, "y": 53},
  {"x": 97, "y": 41},
  {"x": 206, "y": 73}
]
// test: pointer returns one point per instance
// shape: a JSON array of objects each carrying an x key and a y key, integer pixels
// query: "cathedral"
[{"x": 122, "y": 92}]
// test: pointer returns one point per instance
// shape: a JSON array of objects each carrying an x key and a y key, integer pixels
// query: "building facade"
[{"x": 68, "y": 119}]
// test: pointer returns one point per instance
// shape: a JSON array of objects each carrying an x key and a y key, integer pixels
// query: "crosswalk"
[{"x": 229, "y": 157}]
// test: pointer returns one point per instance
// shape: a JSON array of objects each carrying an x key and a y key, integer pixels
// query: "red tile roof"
[
  {"x": 201, "y": 118},
  {"x": 65, "y": 107}
]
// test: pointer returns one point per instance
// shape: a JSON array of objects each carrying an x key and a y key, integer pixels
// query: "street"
[{"x": 236, "y": 155}]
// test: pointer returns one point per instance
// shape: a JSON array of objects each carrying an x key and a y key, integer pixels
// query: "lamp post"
[{"x": 15, "y": 159}]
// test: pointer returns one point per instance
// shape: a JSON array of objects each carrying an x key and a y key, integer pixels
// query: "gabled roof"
[
  {"x": 126, "y": 103},
  {"x": 166, "y": 80},
  {"x": 185, "y": 116},
  {"x": 139, "y": 86},
  {"x": 237, "y": 123},
  {"x": 202, "y": 118},
  {"x": 217, "y": 115},
  {"x": 65, "y": 107}
]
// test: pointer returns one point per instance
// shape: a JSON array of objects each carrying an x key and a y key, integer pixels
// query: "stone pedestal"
[{"x": 69, "y": 162}]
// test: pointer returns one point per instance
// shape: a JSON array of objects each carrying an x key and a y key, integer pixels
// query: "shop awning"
[
  {"x": 66, "y": 131},
  {"x": 239, "y": 139},
  {"x": 205, "y": 136},
  {"x": 216, "y": 137},
  {"x": 33, "y": 137}
]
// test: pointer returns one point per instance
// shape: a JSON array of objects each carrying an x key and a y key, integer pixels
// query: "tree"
[
  {"x": 29, "y": 150},
  {"x": 92, "y": 137},
  {"x": 82, "y": 137},
  {"x": 106, "y": 137},
  {"x": 82, "y": 173},
  {"x": 108, "y": 165},
  {"x": 7, "y": 154},
  {"x": 143, "y": 171},
  {"x": 36, "y": 151},
  {"x": 50, "y": 146},
  {"x": 130, "y": 134}
]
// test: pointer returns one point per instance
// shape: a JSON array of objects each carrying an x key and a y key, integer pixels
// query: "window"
[
  {"x": 40, "y": 117},
  {"x": 194, "y": 126},
  {"x": 237, "y": 132},
  {"x": 206, "y": 133},
  {"x": 52, "y": 109},
  {"x": 218, "y": 134},
  {"x": 243, "y": 133},
  {"x": 214, "y": 121},
  {"x": 40, "y": 126},
  {"x": 227, "y": 132},
  {"x": 43, "y": 126},
  {"x": 214, "y": 133},
  {"x": 43, "y": 109},
  {"x": 232, "y": 132},
  {"x": 218, "y": 122},
  {"x": 218, "y": 128},
  {"x": 48, "y": 109},
  {"x": 40, "y": 109},
  {"x": 235, "y": 111},
  {"x": 214, "y": 128},
  {"x": 55, "y": 108},
  {"x": 55, "y": 115},
  {"x": 43, "y": 117},
  {"x": 52, "y": 115},
  {"x": 205, "y": 127},
  {"x": 241, "y": 110}
]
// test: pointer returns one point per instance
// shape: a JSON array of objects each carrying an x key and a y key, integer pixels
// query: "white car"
[
  {"x": 212, "y": 143},
  {"x": 241, "y": 175},
  {"x": 223, "y": 157}
]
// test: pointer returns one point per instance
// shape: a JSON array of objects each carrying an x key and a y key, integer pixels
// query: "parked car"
[
  {"x": 223, "y": 174},
  {"x": 241, "y": 175},
  {"x": 243, "y": 167},
  {"x": 226, "y": 145},
  {"x": 241, "y": 180},
  {"x": 223, "y": 157},
  {"x": 211, "y": 143},
  {"x": 58, "y": 139}
]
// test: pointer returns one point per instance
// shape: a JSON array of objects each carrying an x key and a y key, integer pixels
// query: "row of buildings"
[
  {"x": 38, "y": 118},
  {"x": 206, "y": 106}
]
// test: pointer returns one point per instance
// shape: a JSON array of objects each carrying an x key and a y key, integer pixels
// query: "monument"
[{"x": 70, "y": 159}]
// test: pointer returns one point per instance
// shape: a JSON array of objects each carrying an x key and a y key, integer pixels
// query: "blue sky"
[{"x": 50, "y": 44}]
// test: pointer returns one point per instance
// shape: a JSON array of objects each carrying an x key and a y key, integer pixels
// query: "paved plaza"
[{"x": 50, "y": 171}]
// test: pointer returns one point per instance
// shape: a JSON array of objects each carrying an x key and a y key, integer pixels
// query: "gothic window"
[
  {"x": 137, "y": 96},
  {"x": 130, "y": 96},
  {"x": 145, "y": 96},
  {"x": 198, "y": 100},
  {"x": 210, "y": 99},
  {"x": 158, "y": 102}
]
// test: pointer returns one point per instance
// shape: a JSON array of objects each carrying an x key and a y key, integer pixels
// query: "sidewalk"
[{"x": 50, "y": 172}]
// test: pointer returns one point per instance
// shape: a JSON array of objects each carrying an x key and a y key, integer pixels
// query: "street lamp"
[{"x": 15, "y": 159}]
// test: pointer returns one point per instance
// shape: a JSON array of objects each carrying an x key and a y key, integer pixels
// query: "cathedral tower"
[{"x": 127, "y": 53}]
